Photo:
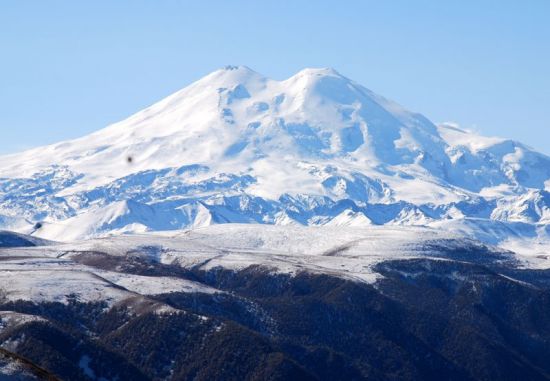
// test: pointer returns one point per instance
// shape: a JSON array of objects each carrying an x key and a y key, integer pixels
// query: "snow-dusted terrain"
[
  {"x": 78, "y": 271},
  {"x": 314, "y": 149},
  {"x": 232, "y": 300},
  {"x": 13, "y": 370}
]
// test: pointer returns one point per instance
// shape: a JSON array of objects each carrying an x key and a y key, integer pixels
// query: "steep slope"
[{"x": 314, "y": 149}]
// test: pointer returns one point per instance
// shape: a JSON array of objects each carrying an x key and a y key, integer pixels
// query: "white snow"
[
  {"x": 36, "y": 274},
  {"x": 57, "y": 285},
  {"x": 346, "y": 251},
  {"x": 238, "y": 147},
  {"x": 535, "y": 253},
  {"x": 13, "y": 370},
  {"x": 52, "y": 273},
  {"x": 473, "y": 141},
  {"x": 155, "y": 285},
  {"x": 10, "y": 319}
]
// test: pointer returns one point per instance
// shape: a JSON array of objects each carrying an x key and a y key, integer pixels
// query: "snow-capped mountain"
[{"x": 314, "y": 149}]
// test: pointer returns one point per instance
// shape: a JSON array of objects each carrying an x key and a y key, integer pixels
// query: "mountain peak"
[
  {"x": 241, "y": 74},
  {"x": 236, "y": 68},
  {"x": 328, "y": 81},
  {"x": 232, "y": 74},
  {"x": 319, "y": 72}
]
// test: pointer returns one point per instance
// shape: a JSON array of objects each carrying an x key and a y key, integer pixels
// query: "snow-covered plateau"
[
  {"x": 316, "y": 149},
  {"x": 96, "y": 270}
]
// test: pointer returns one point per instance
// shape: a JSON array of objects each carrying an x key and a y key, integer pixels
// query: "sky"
[{"x": 68, "y": 68}]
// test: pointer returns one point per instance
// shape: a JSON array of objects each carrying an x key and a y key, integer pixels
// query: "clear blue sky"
[{"x": 71, "y": 67}]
